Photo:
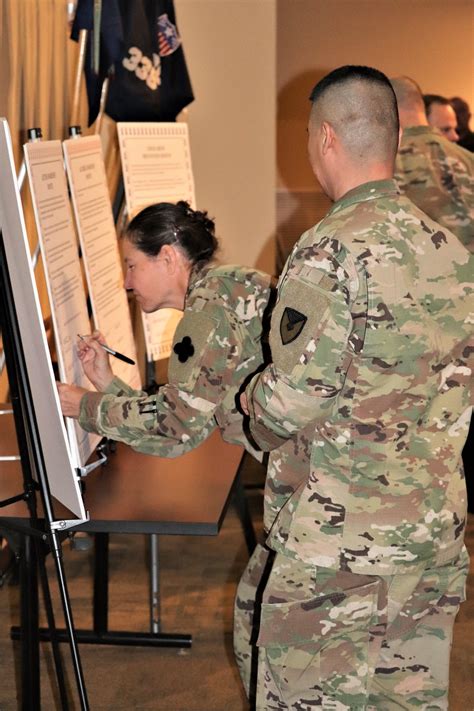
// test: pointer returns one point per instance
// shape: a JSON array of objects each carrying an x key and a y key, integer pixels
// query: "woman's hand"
[
  {"x": 244, "y": 404},
  {"x": 94, "y": 360},
  {"x": 70, "y": 397}
]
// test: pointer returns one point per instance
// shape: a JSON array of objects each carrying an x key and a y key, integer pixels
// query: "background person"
[
  {"x": 371, "y": 344},
  {"x": 168, "y": 251},
  {"x": 435, "y": 173},
  {"x": 441, "y": 115},
  {"x": 463, "y": 117}
]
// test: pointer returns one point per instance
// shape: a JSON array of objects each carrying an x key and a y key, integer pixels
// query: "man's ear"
[{"x": 328, "y": 137}]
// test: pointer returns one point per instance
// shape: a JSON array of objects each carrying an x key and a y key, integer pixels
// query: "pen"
[{"x": 110, "y": 350}]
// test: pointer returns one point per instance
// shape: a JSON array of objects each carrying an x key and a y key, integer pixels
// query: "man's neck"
[
  {"x": 412, "y": 117},
  {"x": 352, "y": 179}
]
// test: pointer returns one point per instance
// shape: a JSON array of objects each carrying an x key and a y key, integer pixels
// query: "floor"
[{"x": 198, "y": 579}]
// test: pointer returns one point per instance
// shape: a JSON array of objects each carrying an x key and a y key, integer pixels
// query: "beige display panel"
[
  {"x": 98, "y": 238},
  {"x": 62, "y": 477},
  {"x": 156, "y": 166},
  {"x": 59, "y": 250}
]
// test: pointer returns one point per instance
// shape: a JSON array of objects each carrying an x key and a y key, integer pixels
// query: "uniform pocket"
[
  {"x": 319, "y": 618},
  {"x": 318, "y": 649}
]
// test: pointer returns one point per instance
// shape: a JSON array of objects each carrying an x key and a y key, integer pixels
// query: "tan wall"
[
  {"x": 230, "y": 50},
  {"x": 429, "y": 40}
]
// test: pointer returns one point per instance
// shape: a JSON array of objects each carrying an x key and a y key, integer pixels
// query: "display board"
[
  {"x": 156, "y": 166},
  {"x": 101, "y": 257},
  {"x": 67, "y": 295},
  {"x": 62, "y": 476}
]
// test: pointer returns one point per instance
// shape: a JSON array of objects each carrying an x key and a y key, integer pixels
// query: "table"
[{"x": 131, "y": 493}]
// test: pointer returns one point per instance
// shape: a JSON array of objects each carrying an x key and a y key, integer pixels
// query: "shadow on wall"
[
  {"x": 267, "y": 256},
  {"x": 300, "y": 202}
]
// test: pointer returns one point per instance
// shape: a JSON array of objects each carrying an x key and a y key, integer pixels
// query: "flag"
[
  {"x": 151, "y": 80},
  {"x": 103, "y": 21}
]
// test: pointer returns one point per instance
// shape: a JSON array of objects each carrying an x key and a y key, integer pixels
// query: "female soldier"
[{"x": 168, "y": 251}]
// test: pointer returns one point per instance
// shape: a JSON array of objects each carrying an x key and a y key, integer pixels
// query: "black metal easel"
[{"x": 37, "y": 536}]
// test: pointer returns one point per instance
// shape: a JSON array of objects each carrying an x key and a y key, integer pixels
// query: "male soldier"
[
  {"x": 435, "y": 173},
  {"x": 441, "y": 115},
  {"x": 463, "y": 117},
  {"x": 364, "y": 567}
]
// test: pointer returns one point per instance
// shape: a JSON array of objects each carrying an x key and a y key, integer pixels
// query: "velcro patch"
[
  {"x": 297, "y": 318},
  {"x": 192, "y": 340},
  {"x": 291, "y": 324}
]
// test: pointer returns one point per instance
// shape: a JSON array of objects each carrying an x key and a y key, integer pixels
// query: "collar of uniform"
[
  {"x": 420, "y": 130},
  {"x": 195, "y": 276},
  {"x": 367, "y": 191}
]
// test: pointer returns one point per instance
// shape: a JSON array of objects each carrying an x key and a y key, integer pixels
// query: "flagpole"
[
  {"x": 103, "y": 100},
  {"x": 77, "y": 84}
]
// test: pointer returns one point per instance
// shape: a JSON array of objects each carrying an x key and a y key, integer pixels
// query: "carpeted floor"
[{"x": 198, "y": 580}]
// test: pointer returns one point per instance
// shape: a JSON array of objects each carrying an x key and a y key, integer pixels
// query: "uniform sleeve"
[
  {"x": 309, "y": 336},
  {"x": 206, "y": 351},
  {"x": 119, "y": 387}
]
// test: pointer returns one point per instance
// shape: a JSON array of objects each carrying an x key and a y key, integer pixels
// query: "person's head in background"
[
  {"x": 162, "y": 246},
  {"x": 411, "y": 107},
  {"x": 353, "y": 129},
  {"x": 463, "y": 116},
  {"x": 441, "y": 115}
]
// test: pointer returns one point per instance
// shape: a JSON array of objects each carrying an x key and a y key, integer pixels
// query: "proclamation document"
[
  {"x": 100, "y": 252},
  {"x": 156, "y": 166},
  {"x": 59, "y": 249}
]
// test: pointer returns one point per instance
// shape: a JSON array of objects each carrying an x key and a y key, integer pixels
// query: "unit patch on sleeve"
[
  {"x": 291, "y": 324},
  {"x": 193, "y": 342},
  {"x": 184, "y": 349},
  {"x": 297, "y": 320}
]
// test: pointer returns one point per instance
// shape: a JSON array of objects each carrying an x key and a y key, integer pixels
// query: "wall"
[
  {"x": 429, "y": 40},
  {"x": 230, "y": 51}
]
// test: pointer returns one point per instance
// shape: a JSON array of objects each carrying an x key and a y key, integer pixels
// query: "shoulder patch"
[
  {"x": 191, "y": 341},
  {"x": 184, "y": 349},
  {"x": 291, "y": 324},
  {"x": 297, "y": 318}
]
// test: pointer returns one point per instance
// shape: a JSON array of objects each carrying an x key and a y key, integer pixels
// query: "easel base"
[{"x": 139, "y": 639}]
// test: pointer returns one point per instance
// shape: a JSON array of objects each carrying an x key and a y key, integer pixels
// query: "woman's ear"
[{"x": 169, "y": 257}]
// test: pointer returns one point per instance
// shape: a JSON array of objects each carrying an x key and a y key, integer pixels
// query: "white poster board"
[
  {"x": 156, "y": 166},
  {"x": 67, "y": 296},
  {"x": 62, "y": 477},
  {"x": 98, "y": 238}
]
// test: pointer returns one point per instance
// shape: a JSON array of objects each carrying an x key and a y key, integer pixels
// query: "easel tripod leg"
[
  {"x": 57, "y": 555},
  {"x": 30, "y": 661},
  {"x": 58, "y": 664}
]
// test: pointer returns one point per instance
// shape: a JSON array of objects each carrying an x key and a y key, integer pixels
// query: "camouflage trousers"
[{"x": 307, "y": 637}]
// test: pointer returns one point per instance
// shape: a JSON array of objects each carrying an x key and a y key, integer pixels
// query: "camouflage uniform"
[
  {"x": 217, "y": 345},
  {"x": 366, "y": 407},
  {"x": 438, "y": 176}
]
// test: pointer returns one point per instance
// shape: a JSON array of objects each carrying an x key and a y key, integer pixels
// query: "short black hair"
[
  {"x": 429, "y": 99},
  {"x": 350, "y": 72},
  {"x": 361, "y": 105}
]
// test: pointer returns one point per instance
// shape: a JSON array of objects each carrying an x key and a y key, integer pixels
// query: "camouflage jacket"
[
  {"x": 366, "y": 403},
  {"x": 438, "y": 176},
  {"x": 217, "y": 345}
]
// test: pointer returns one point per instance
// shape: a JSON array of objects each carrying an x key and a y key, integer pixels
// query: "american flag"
[{"x": 168, "y": 38}]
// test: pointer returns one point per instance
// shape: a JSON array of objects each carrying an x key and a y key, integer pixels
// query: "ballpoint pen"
[{"x": 110, "y": 350}]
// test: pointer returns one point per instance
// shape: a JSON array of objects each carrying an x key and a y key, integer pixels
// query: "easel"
[{"x": 35, "y": 538}]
